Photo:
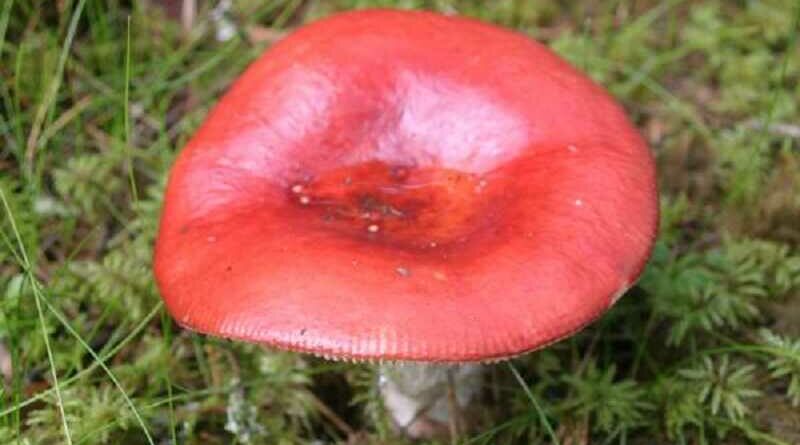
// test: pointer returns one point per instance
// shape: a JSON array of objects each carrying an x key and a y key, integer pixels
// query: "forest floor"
[{"x": 98, "y": 96}]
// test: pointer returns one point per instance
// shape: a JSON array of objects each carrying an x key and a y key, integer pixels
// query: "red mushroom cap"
[{"x": 406, "y": 186}]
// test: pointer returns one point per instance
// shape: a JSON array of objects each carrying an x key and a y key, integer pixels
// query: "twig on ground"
[
  {"x": 188, "y": 13},
  {"x": 263, "y": 34},
  {"x": 778, "y": 128},
  {"x": 6, "y": 369},
  {"x": 329, "y": 414}
]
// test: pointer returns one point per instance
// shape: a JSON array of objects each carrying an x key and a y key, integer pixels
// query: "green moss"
[{"x": 704, "y": 348}]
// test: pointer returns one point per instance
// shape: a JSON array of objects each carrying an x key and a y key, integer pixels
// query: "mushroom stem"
[{"x": 429, "y": 400}]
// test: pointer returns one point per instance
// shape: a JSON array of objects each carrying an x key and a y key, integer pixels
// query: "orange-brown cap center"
[{"x": 396, "y": 204}]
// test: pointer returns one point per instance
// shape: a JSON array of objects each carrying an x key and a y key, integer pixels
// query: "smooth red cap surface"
[{"x": 406, "y": 186}]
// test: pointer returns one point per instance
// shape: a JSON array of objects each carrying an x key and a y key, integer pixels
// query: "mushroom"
[{"x": 407, "y": 187}]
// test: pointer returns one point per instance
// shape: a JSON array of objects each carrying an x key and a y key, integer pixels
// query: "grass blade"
[
  {"x": 128, "y": 157},
  {"x": 42, "y": 324},
  {"x": 50, "y": 96},
  {"x": 532, "y": 398}
]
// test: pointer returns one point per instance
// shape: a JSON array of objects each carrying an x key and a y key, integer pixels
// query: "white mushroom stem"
[{"x": 429, "y": 400}]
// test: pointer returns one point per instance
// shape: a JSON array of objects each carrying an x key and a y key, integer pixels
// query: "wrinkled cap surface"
[{"x": 406, "y": 186}]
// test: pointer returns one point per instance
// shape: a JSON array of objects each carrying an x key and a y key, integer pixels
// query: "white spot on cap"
[
  {"x": 373, "y": 228},
  {"x": 579, "y": 202},
  {"x": 297, "y": 188},
  {"x": 572, "y": 148},
  {"x": 305, "y": 200},
  {"x": 402, "y": 271},
  {"x": 433, "y": 244}
]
